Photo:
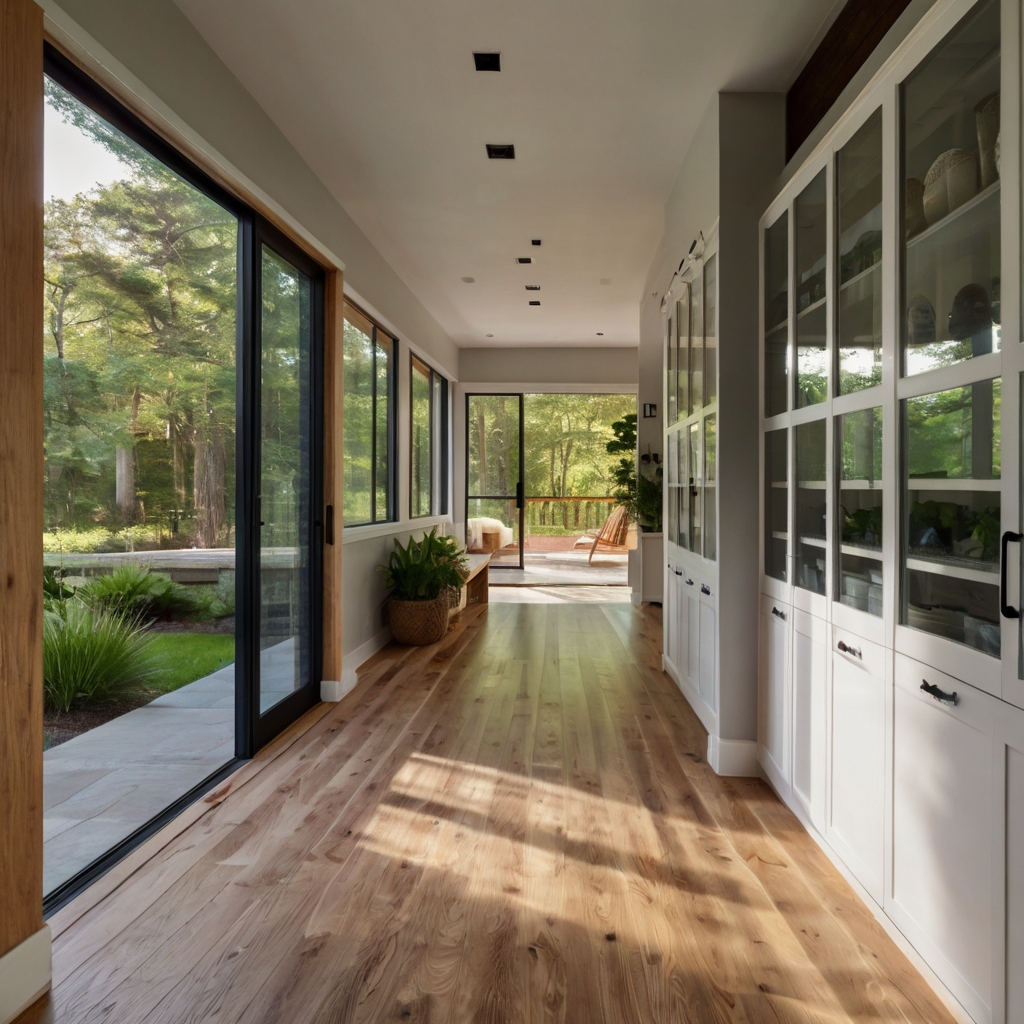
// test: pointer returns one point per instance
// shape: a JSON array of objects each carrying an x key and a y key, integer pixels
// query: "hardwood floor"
[{"x": 515, "y": 825}]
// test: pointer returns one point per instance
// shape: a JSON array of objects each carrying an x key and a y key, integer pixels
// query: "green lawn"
[{"x": 181, "y": 658}]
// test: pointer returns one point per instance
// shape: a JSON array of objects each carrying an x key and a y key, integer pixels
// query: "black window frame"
[
  {"x": 438, "y": 501},
  {"x": 392, "y": 426},
  {"x": 252, "y": 730}
]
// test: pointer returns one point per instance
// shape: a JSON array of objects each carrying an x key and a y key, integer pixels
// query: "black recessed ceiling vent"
[
  {"x": 524, "y": 259},
  {"x": 487, "y": 61},
  {"x": 534, "y": 302},
  {"x": 533, "y": 287},
  {"x": 502, "y": 152}
]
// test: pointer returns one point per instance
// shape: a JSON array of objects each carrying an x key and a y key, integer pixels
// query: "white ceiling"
[{"x": 600, "y": 98}]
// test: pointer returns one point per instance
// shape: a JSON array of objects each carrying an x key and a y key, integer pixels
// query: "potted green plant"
[{"x": 422, "y": 576}]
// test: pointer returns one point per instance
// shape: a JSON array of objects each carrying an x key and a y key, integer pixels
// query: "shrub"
[
  {"x": 138, "y": 592},
  {"x": 90, "y": 654}
]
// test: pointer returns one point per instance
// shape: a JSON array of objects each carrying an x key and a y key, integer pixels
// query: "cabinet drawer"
[
  {"x": 943, "y": 856},
  {"x": 864, "y": 654}
]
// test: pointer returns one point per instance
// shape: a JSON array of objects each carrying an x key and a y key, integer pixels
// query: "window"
[
  {"x": 369, "y": 421},
  {"x": 428, "y": 441}
]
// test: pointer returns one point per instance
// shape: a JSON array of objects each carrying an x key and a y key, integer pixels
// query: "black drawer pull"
[
  {"x": 689, "y": 582},
  {"x": 854, "y": 652},
  {"x": 946, "y": 698},
  {"x": 778, "y": 614},
  {"x": 705, "y": 589},
  {"x": 678, "y": 572}
]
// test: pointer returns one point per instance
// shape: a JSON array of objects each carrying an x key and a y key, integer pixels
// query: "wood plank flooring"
[{"x": 516, "y": 825}]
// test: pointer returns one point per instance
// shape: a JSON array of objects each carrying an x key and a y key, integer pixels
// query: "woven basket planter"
[{"x": 418, "y": 623}]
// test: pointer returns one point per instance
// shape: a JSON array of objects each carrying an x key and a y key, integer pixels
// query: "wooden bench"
[{"x": 475, "y": 589}]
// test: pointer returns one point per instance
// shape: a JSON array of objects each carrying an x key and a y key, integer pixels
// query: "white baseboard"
[
  {"x": 25, "y": 974},
  {"x": 733, "y": 757},
  {"x": 333, "y": 690},
  {"x": 350, "y": 664}
]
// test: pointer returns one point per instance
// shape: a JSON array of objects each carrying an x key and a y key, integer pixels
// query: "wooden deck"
[{"x": 517, "y": 824}]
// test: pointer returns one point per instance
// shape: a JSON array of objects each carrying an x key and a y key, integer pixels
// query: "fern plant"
[{"x": 422, "y": 569}]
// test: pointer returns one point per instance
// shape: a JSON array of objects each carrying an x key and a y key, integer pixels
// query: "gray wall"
[
  {"x": 728, "y": 175},
  {"x": 595, "y": 366},
  {"x": 153, "y": 58}
]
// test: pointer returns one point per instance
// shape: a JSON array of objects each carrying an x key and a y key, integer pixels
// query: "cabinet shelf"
[
  {"x": 942, "y": 483},
  {"x": 860, "y": 485},
  {"x": 875, "y": 554},
  {"x": 957, "y": 568},
  {"x": 814, "y": 542},
  {"x": 807, "y": 310},
  {"x": 957, "y": 215},
  {"x": 860, "y": 277}
]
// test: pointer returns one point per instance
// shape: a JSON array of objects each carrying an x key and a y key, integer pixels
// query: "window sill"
[{"x": 371, "y": 531}]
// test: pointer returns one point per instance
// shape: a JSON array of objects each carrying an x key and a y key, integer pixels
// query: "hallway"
[{"x": 517, "y": 824}]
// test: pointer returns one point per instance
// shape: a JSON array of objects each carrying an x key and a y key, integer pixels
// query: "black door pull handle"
[
  {"x": 705, "y": 589},
  {"x": 847, "y": 649},
  {"x": 689, "y": 582},
  {"x": 778, "y": 614},
  {"x": 1004, "y": 606},
  {"x": 940, "y": 695}
]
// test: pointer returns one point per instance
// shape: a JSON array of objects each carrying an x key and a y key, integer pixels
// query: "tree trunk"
[
  {"x": 124, "y": 467},
  {"x": 208, "y": 486}
]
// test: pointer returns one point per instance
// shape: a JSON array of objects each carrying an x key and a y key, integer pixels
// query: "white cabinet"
[
  {"x": 810, "y": 679},
  {"x": 942, "y": 872},
  {"x": 691, "y": 644},
  {"x": 773, "y": 691},
  {"x": 707, "y": 659},
  {"x": 1009, "y": 837},
  {"x": 856, "y": 812}
]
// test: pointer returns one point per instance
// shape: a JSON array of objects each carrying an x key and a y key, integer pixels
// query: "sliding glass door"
[
  {"x": 494, "y": 478},
  {"x": 282, "y": 483}
]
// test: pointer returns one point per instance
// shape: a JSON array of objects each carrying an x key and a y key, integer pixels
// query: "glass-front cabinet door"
[
  {"x": 810, "y": 516},
  {"x": 861, "y": 574},
  {"x": 776, "y": 317},
  {"x": 811, "y": 286}
]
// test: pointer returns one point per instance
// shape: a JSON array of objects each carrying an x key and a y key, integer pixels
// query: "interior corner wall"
[
  {"x": 650, "y": 432},
  {"x": 751, "y": 156},
  {"x": 593, "y": 366}
]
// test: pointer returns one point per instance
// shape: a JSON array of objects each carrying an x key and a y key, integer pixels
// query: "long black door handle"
[
  {"x": 941, "y": 695},
  {"x": 1004, "y": 606},
  {"x": 519, "y": 495}
]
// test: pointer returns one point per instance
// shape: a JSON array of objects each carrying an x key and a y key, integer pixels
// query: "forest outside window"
[
  {"x": 428, "y": 447},
  {"x": 369, "y": 421}
]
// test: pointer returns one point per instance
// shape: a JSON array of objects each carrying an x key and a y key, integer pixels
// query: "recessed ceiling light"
[
  {"x": 469, "y": 280},
  {"x": 600, "y": 334},
  {"x": 487, "y": 61},
  {"x": 534, "y": 302},
  {"x": 606, "y": 280},
  {"x": 533, "y": 287},
  {"x": 535, "y": 241},
  {"x": 524, "y": 259},
  {"x": 490, "y": 335},
  {"x": 501, "y": 151}
]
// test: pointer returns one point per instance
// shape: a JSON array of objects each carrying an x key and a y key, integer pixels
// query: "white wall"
[
  {"x": 151, "y": 57},
  {"x": 530, "y": 365}
]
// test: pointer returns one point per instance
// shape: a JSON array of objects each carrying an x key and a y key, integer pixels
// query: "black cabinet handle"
[
  {"x": 854, "y": 652},
  {"x": 1007, "y": 609},
  {"x": 329, "y": 525},
  {"x": 940, "y": 695},
  {"x": 689, "y": 582},
  {"x": 778, "y": 614},
  {"x": 678, "y": 572},
  {"x": 705, "y": 589}
]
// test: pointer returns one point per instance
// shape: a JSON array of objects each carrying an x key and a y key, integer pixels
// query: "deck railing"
[{"x": 559, "y": 516}]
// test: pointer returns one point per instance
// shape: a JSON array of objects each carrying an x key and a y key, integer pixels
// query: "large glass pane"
[
  {"x": 859, "y": 213},
  {"x": 439, "y": 444},
  {"x": 809, "y": 243},
  {"x": 859, "y": 512},
  {"x": 421, "y": 448},
  {"x": 696, "y": 481},
  {"x": 138, "y": 473},
  {"x": 683, "y": 537},
  {"x": 384, "y": 348},
  {"x": 672, "y": 489},
  {"x": 811, "y": 504},
  {"x": 683, "y": 353},
  {"x": 776, "y": 317},
  {"x": 671, "y": 378},
  {"x": 776, "y": 503},
  {"x": 285, "y": 479},
  {"x": 696, "y": 343},
  {"x": 951, "y": 210},
  {"x": 952, "y": 515},
  {"x": 492, "y": 527},
  {"x": 710, "y": 492},
  {"x": 711, "y": 330},
  {"x": 358, "y": 438}
]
